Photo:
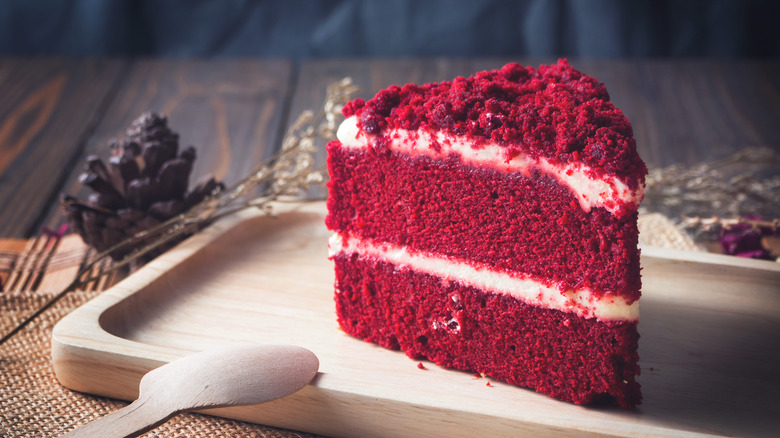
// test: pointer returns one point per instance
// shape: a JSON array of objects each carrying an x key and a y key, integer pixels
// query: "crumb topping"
[{"x": 554, "y": 112}]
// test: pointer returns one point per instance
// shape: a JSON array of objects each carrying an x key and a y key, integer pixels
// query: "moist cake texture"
[{"x": 488, "y": 224}]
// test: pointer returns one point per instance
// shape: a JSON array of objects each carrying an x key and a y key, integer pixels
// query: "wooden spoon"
[{"x": 232, "y": 376}]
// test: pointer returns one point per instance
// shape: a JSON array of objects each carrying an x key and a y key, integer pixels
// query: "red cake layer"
[
  {"x": 554, "y": 112},
  {"x": 552, "y": 352},
  {"x": 529, "y": 225}
]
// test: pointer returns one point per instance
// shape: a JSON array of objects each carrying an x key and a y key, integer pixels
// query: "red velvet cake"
[{"x": 489, "y": 224}]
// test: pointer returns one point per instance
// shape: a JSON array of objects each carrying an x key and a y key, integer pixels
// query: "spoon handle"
[{"x": 136, "y": 417}]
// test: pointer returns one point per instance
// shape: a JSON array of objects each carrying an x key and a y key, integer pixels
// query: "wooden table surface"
[{"x": 54, "y": 111}]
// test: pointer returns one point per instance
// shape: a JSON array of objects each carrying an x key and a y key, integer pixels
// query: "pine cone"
[{"x": 144, "y": 184}]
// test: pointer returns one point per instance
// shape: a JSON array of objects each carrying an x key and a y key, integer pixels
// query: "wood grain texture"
[
  {"x": 48, "y": 108},
  {"x": 689, "y": 111},
  {"x": 232, "y": 111},
  {"x": 709, "y": 331},
  {"x": 683, "y": 111}
]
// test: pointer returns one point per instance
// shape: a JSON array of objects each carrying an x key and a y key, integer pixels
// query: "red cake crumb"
[
  {"x": 421, "y": 366},
  {"x": 481, "y": 215},
  {"x": 501, "y": 336},
  {"x": 553, "y": 111}
]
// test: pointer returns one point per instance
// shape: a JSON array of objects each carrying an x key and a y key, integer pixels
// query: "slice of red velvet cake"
[{"x": 490, "y": 224}]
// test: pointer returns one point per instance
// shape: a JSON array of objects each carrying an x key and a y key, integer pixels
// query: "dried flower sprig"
[
  {"x": 724, "y": 201},
  {"x": 744, "y": 183},
  {"x": 717, "y": 223},
  {"x": 288, "y": 172},
  {"x": 743, "y": 236}
]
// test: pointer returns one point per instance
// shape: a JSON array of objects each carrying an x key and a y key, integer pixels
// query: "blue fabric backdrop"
[{"x": 311, "y": 28}]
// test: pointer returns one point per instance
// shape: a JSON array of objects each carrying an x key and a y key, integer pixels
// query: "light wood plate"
[{"x": 709, "y": 348}]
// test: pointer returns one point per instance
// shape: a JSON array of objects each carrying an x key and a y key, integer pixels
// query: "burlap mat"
[
  {"x": 657, "y": 230},
  {"x": 34, "y": 404}
]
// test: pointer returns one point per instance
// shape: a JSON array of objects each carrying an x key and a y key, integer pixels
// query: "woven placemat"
[
  {"x": 655, "y": 229},
  {"x": 34, "y": 404}
]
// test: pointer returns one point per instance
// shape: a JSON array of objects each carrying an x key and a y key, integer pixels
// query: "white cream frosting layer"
[
  {"x": 580, "y": 302},
  {"x": 608, "y": 192}
]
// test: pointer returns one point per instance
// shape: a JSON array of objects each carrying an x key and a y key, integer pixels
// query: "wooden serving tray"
[{"x": 710, "y": 346}]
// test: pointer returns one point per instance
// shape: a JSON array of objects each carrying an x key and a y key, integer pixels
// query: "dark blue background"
[{"x": 310, "y": 28}]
